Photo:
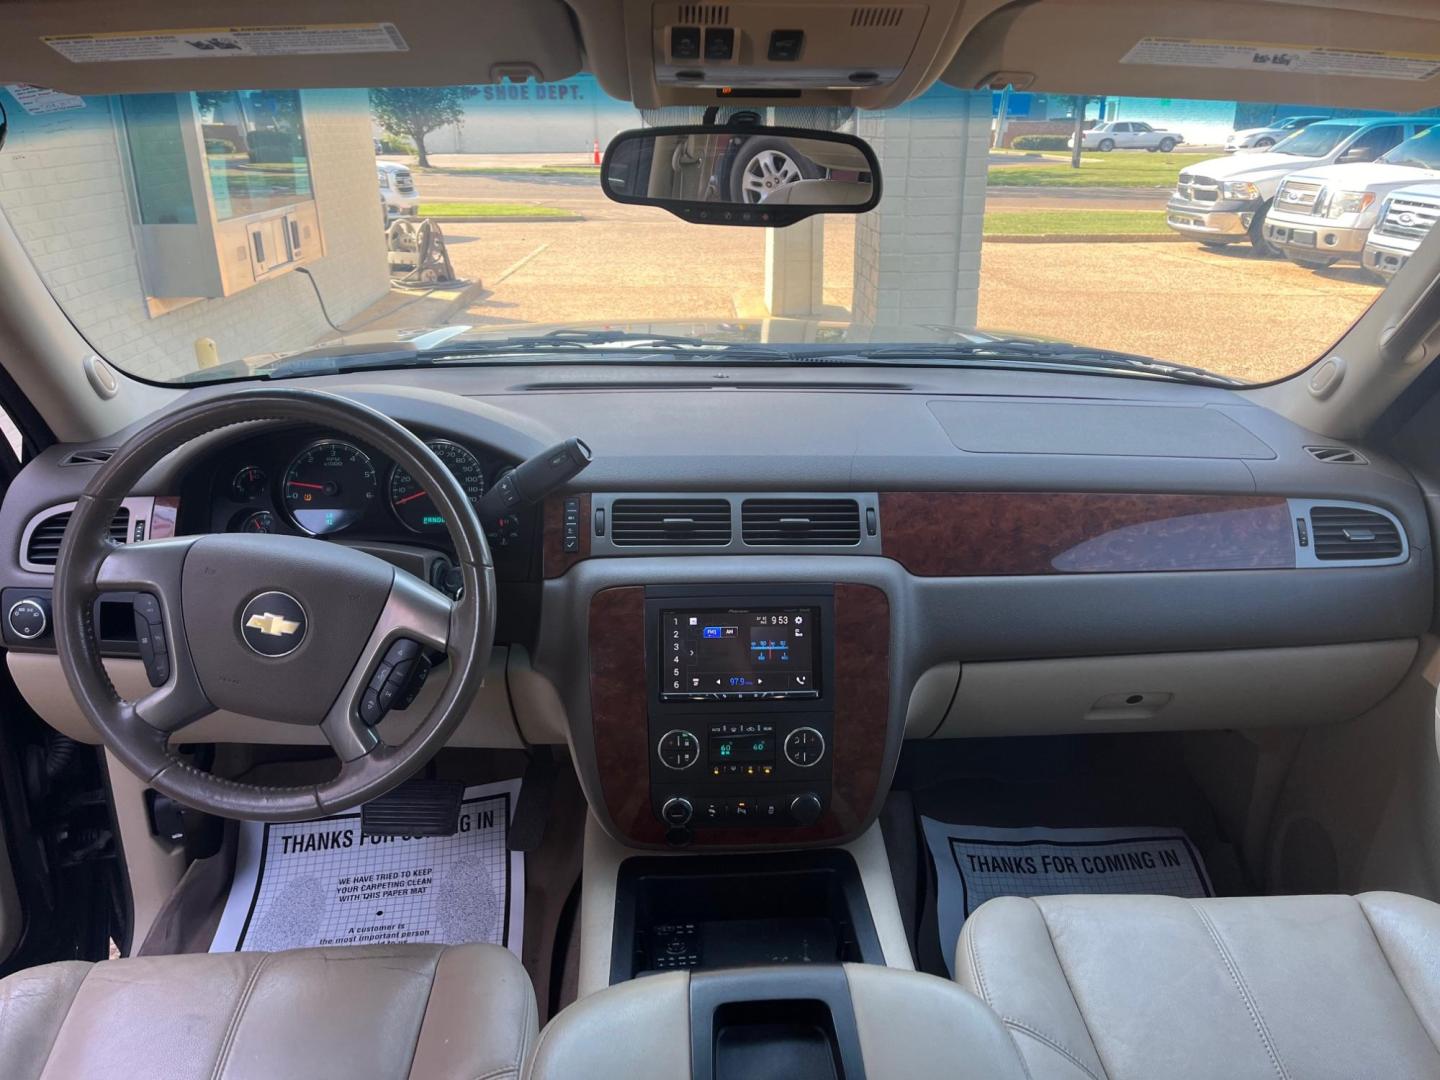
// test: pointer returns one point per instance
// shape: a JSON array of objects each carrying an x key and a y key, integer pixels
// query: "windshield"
[
  {"x": 272, "y": 233},
  {"x": 1317, "y": 140},
  {"x": 1422, "y": 152}
]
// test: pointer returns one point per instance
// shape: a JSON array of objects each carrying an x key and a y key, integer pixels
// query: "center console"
[{"x": 742, "y": 716}]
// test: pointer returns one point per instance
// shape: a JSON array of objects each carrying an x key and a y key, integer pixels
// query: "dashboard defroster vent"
[
  {"x": 1336, "y": 455},
  {"x": 97, "y": 456},
  {"x": 44, "y": 545},
  {"x": 670, "y": 522},
  {"x": 1349, "y": 533},
  {"x": 800, "y": 522}
]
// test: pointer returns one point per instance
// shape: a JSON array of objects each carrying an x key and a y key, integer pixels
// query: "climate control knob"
[
  {"x": 677, "y": 811},
  {"x": 804, "y": 747},
  {"x": 806, "y": 808}
]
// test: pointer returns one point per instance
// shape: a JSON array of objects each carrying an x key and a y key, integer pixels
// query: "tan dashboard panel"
[
  {"x": 489, "y": 723},
  {"x": 979, "y": 534},
  {"x": 618, "y": 719}
]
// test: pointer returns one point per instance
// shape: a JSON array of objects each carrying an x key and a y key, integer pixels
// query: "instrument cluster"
[{"x": 327, "y": 485}]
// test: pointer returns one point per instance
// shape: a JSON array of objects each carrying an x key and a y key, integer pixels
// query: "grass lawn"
[
  {"x": 1075, "y": 223},
  {"x": 488, "y": 210},
  {"x": 1118, "y": 169},
  {"x": 524, "y": 170}
]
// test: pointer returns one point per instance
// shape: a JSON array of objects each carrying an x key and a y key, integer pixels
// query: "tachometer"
[
  {"x": 412, "y": 503},
  {"x": 329, "y": 486}
]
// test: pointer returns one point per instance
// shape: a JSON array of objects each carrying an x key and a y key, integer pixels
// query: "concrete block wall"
[
  {"x": 917, "y": 254},
  {"x": 62, "y": 185}
]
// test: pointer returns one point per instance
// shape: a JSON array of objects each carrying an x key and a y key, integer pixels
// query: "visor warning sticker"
[
  {"x": 1291, "y": 59},
  {"x": 221, "y": 41},
  {"x": 37, "y": 100}
]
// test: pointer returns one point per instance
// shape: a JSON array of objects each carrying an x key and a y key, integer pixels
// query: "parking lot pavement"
[{"x": 1225, "y": 310}]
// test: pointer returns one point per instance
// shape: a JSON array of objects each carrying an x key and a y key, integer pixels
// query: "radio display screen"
[{"x": 734, "y": 655}]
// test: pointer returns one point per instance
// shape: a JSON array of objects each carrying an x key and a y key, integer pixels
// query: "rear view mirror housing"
[{"x": 745, "y": 176}]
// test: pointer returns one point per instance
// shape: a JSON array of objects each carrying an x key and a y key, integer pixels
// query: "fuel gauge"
[{"x": 249, "y": 483}]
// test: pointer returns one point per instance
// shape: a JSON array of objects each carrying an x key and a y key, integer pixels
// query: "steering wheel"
[{"x": 285, "y": 628}]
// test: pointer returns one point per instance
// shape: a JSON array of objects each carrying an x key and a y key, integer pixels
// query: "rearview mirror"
[{"x": 742, "y": 176}]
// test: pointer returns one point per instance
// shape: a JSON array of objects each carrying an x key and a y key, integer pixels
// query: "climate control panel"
[{"x": 741, "y": 770}]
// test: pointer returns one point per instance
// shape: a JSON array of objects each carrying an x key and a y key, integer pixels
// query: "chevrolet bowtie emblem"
[{"x": 274, "y": 625}]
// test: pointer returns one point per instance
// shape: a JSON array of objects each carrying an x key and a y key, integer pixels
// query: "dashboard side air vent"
[
  {"x": 670, "y": 522},
  {"x": 97, "y": 456},
  {"x": 44, "y": 544},
  {"x": 800, "y": 522},
  {"x": 1351, "y": 533},
  {"x": 1336, "y": 455}
]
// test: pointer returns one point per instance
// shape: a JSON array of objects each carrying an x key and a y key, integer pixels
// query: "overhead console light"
[{"x": 783, "y": 47}]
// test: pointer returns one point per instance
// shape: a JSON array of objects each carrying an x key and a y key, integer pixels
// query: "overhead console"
[{"x": 798, "y": 52}]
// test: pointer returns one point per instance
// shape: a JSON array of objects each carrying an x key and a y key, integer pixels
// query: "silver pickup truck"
[
  {"x": 1405, "y": 220},
  {"x": 1226, "y": 199}
]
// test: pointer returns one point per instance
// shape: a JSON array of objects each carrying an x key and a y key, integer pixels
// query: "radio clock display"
[{"x": 729, "y": 655}]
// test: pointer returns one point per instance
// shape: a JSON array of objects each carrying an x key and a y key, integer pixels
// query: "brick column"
[{"x": 917, "y": 254}]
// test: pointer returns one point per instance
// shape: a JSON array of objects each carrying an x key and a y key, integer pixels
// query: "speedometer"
[
  {"x": 412, "y": 503},
  {"x": 329, "y": 486}
]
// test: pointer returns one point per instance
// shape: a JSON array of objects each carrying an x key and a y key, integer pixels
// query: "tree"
[
  {"x": 1078, "y": 144},
  {"x": 414, "y": 112}
]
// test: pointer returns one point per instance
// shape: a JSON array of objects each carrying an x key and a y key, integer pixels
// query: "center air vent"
[
  {"x": 670, "y": 522},
  {"x": 1343, "y": 532},
  {"x": 44, "y": 545},
  {"x": 800, "y": 522}
]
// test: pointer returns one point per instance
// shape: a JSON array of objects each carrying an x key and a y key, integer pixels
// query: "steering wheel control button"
[
  {"x": 150, "y": 637},
  {"x": 679, "y": 749},
  {"x": 677, "y": 811},
  {"x": 29, "y": 618},
  {"x": 804, "y": 747},
  {"x": 396, "y": 682},
  {"x": 273, "y": 624}
]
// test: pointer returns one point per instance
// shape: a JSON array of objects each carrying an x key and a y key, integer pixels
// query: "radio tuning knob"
[
  {"x": 677, "y": 811},
  {"x": 806, "y": 808}
]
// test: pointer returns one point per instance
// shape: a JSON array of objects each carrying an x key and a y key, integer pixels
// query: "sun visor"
[
  {"x": 105, "y": 46},
  {"x": 1385, "y": 58}
]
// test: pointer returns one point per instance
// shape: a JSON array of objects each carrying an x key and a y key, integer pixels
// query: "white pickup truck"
[
  {"x": 1225, "y": 200},
  {"x": 1324, "y": 215},
  {"x": 1406, "y": 218}
]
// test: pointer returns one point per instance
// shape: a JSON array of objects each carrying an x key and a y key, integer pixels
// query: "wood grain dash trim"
[{"x": 978, "y": 534}]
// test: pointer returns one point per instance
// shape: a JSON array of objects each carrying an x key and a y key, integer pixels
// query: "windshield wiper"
[{"x": 570, "y": 339}]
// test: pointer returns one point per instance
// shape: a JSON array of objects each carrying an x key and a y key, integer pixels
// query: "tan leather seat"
[
  {"x": 371, "y": 1012},
  {"x": 1130, "y": 987}
]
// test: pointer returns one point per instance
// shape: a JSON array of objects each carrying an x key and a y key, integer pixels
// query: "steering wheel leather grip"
[{"x": 353, "y": 606}]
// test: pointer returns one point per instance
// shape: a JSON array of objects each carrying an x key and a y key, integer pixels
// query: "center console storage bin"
[{"x": 721, "y": 911}]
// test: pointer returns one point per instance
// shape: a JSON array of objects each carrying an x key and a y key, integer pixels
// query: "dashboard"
[{"x": 966, "y": 553}]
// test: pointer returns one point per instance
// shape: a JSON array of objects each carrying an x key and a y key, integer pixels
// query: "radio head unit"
[{"x": 739, "y": 654}]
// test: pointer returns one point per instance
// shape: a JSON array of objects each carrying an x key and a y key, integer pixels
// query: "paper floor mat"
[
  {"x": 974, "y": 864},
  {"x": 321, "y": 883}
]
